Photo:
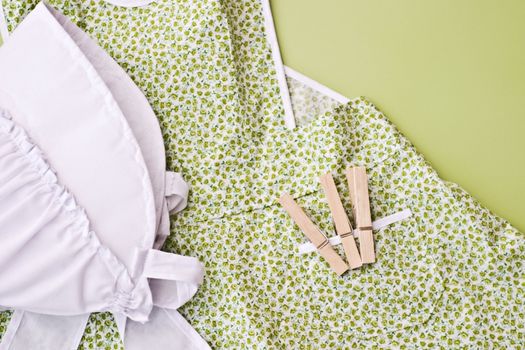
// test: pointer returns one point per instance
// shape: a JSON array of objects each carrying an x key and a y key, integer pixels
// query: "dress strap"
[{"x": 271, "y": 36}]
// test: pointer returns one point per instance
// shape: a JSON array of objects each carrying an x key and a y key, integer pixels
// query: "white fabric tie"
[
  {"x": 173, "y": 267},
  {"x": 376, "y": 225}
]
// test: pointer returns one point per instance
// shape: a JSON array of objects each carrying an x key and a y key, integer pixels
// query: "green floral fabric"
[
  {"x": 450, "y": 276},
  {"x": 308, "y": 103},
  {"x": 4, "y": 320}
]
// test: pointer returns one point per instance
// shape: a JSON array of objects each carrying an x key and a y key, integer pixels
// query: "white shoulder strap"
[{"x": 271, "y": 35}]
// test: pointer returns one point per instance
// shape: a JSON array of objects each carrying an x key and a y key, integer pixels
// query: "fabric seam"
[
  {"x": 307, "y": 193},
  {"x": 271, "y": 36},
  {"x": 130, "y": 3}
]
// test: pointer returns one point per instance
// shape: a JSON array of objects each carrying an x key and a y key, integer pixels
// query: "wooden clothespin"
[
  {"x": 341, "y": 222},
  {"x": 358, "y": 185},
  {"x": 313, "y": 233}
]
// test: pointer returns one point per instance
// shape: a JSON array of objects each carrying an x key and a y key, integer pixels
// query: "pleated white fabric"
[{"x": 52, "y": 261}]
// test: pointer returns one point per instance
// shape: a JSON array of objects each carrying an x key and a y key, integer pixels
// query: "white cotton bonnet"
[{"x": 75, "y": 104}]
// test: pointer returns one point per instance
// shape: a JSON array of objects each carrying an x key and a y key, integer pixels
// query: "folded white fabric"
[{"x": 101, "y": 137}]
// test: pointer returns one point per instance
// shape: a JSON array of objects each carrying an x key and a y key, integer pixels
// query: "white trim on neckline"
[{"x": 315, "y": 85}]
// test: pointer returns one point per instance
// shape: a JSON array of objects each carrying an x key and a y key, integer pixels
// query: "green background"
[{"x": 449, "y": 74}]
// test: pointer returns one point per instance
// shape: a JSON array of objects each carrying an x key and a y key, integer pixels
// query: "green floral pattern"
[
  {"x": 451, "y": 276},
  {"x": 4, "y": 320},
  {"x": 438, "y": 277}
]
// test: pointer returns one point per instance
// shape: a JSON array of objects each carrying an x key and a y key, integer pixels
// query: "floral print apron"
[{"x": 450, "y": 276}]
